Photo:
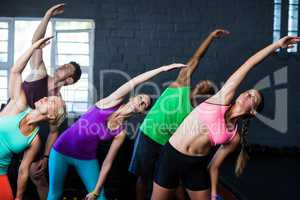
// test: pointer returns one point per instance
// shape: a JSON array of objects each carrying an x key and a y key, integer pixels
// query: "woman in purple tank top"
[{"x": 104, "y": 121}]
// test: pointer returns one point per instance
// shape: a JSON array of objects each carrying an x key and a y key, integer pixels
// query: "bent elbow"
[
  {"x": 213, "y": 169},
  {"x": 23, "y": 171}
]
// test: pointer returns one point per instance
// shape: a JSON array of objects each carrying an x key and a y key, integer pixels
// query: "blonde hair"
[{"x": 60, "y": 115}]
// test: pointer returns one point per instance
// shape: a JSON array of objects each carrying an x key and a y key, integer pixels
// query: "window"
[
  {"x": 23, "y": 32},
  {"x": 74, "y": 40},
  {"x": 5, "y": 58},
  {"x": 291, "y": 24},
  {"x": 3, "y": 86},
  {"x": 293, "y": 21},
  {"x": 277, "y": 20}
]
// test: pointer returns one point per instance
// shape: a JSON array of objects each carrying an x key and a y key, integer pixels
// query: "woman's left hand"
[
  {"x": 288, "y": 41},
  {"x": 42, "y": 42},
  {"x": 90, "y": 196}
]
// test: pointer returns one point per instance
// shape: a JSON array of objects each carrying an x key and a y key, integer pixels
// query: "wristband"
[
  {"x": 95, "y": 194},
  {"x": 46, "y": 156}
]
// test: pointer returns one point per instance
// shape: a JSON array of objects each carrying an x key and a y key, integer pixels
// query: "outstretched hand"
[
  {"x": 174, "y": 66},
  {"x": 56, "y": 10},
  {"x": 219, "y": 33},
  {"x": 288, "y": 41},
  {"x": 41, "y": 43},
  {"x": 90, "y": 196}
]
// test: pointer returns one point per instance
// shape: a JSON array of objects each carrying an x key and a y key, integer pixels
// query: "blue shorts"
[
  {"x": 145, "y": 157},
  {"x": 133, "y": 166}
]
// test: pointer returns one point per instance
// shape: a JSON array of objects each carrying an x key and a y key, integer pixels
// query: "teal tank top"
[{"x": 12, "y": 139}]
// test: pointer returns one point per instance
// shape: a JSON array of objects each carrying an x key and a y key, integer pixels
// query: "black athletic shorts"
[{"x": 175, "y": 167}]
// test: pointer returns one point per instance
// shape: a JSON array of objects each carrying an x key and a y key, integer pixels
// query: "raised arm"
[
  {"x": 118, "y": 95},
  {"x": 15, "y": 89},
  {"x": 23, "y": 174},
  {"x": 227, "y": 92},
  {"x": 36, "y": 61},
  {"x": 185, "y": 74},
  {"x": 217, "y": 161},
  {"x": 107, "y": 164}
]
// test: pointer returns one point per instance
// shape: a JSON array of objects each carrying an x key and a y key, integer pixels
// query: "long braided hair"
[{"x": 243, "y": 156}]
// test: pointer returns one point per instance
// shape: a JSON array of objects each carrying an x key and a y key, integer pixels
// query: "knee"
[{"x": 38, "y": 179}]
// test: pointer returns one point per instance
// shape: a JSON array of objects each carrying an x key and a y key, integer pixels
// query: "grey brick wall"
[{"x": 136, "y": 35}]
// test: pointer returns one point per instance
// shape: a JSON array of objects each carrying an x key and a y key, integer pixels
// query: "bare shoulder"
[{"x": 219, "y": 98}]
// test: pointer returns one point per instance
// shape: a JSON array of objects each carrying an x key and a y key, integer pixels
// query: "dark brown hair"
[
  {"x": 77, "y": 73},
  {"x": 243, "y": 157}
]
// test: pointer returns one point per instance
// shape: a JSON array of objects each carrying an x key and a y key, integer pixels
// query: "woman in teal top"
[{"x": 19, "y": 124}]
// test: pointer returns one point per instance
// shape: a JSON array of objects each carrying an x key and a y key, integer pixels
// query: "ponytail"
[{"x": 243, "y": 157}]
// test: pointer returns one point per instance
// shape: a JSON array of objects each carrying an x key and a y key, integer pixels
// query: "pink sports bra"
[{"x": 212, "y": 115}]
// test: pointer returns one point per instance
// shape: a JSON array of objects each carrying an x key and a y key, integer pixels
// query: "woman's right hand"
[
  {"x": 42, "y": 42},
  {"x": 219, "y": 33},
  {"x": 288, "y": 41},
  {"x": 173, "y": 66}
]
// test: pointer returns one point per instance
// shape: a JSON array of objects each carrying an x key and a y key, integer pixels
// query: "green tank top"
[
  {"x": 11, "y": 138},
  {"x": 167, "y": 113}
]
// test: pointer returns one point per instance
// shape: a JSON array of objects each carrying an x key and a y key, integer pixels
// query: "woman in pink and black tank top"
[
  {"x": 213, "y": 122},
  {"x": 77, "y": 146}
]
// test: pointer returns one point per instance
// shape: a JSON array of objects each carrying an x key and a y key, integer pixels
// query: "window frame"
[
  {"x": 7, "y": 65},
  {"x": 11, "y": 42},
  {"x": 90, "y": 70},
  {"x": 293, "y": 31},
  {"x": 284, "y": 24},
  {"x": 10, "y": 49}
]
